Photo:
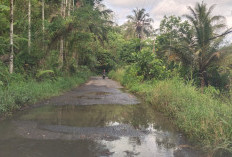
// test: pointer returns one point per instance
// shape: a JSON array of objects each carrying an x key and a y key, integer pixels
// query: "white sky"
[{"x": 159, "y": 8}]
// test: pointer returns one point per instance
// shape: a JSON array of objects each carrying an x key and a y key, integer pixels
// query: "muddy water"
[{"x": 91, "y": 129}]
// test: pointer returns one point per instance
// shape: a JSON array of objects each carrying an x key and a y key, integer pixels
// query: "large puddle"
[{"x": 89, "y": 131}]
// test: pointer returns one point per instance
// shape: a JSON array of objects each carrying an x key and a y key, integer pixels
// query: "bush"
[
  {"x": 18, "y": 94},
  {"x": 204, "y": 119},
  {"x": 149, "y": 66}
]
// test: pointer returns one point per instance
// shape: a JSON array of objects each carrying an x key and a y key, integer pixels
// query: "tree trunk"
[
  {"x": 69, "y": 7},
  {"x": 11, "y": 65},
  {"x": 202, "y": 78},
  {"x": 43, "y": 16},
  {"x": 73, "y": 5},
  {"x": 65, "y": 56},
  {"x": 64, "y": 7},
  {"x": 29, "y": 26},
  {"x": 202, "y": 70},
  {"x": 43, "y": 25},
  {"x": 202, "y": 84},
  {"x": 61, "y": 55}
]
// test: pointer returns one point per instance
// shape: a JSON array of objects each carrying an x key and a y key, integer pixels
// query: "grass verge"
[
  {"x": 22, "y": 93},
  {"x": 204, "y": 119}
]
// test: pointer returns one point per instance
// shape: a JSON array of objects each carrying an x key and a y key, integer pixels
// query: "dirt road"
[
  {"x": 96, "y": 119},
  {"x": 96, "y": 91}
]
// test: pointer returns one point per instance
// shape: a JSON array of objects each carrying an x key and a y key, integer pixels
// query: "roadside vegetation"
[
  {"x": 47, "y": 47},
  {"x": 203, "y": 118},
  {"x": 22, "y": 92},
  {"x": 183, "y": 68},
  {"x": 185, "y": 73}
]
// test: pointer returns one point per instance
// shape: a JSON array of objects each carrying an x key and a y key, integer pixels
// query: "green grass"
[
  {"x": 205, "y": 120},
  {"x": 22, "y": 93}
]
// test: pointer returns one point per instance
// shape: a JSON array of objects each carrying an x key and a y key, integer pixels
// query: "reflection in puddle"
[
  {"x": 99, "y": 93},
  {"x": 93, "y": 95},
  {"x": 109, "y": 130}
]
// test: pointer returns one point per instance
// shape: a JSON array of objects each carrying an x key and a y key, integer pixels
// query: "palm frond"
[
  {"x": 193, "y": 13},
  {"x": 217, "y": 18},
  {"x": 211, "y": 8}
]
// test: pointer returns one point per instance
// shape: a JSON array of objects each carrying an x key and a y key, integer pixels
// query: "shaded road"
[{"x": 94, "y": 120}]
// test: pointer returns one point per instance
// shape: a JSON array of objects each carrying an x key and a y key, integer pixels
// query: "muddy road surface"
[{"x": 97, "y": 119}]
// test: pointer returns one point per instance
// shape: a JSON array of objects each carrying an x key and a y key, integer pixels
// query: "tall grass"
[
  {"x": 205, "y": 120},
  {"x": 21, "y": 93}
]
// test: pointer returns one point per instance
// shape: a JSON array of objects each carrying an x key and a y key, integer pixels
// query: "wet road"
[{"x": 96, "y": 119}]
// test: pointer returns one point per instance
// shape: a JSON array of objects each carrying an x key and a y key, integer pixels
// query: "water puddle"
[
  {"x": 93, "y": 95},
  {"x": 96, "y": 130}
]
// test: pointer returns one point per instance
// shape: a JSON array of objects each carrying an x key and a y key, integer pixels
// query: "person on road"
[{"x": 104, "y": 74}]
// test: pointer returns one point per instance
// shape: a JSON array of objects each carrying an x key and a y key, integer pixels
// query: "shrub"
[
  {"x": 20, "y": 93},
  {"x": 149, "y": 66},
  {"x": 204, "y": 119}
]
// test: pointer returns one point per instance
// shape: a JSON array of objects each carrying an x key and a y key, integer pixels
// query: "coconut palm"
[
  {"x": 128, "y": 30},
  {"x": 142, "y": 22},
  {"x": 206, "y": 38}
]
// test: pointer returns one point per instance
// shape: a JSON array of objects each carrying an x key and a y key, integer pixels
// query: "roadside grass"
[
  {"x": 22, "y": 93},
  {"x": 204, "y": 119}
]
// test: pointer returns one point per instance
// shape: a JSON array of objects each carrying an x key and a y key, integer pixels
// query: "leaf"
[
  {"x": 225, "y": 122},
  {"x": 4, "y": 8},
  {"x": 41, "y": 73}
]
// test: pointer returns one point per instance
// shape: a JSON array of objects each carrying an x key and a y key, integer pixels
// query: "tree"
[
  {"x": 4, "y": 25},
  {"x": 174, "y": 39},
  {"x": 11, "y": 67},
  {"x": 128, "y": 30},
  {"x": 205, "y": 44},
  {"x": 142, "y": 22},
  {"x": 29, "y": 26}
]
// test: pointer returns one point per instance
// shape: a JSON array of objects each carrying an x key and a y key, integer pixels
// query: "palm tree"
[
  {"x": 141, "y": 22},
  {"x": 11, "y": 65},
  {"x": 128, "y": 30},
  {"x": 101, "y": 26},
  {"x": 206, "y": 40}
]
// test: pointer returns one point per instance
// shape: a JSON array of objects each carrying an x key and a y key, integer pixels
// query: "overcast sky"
[{"x": 159, "y": 8}]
